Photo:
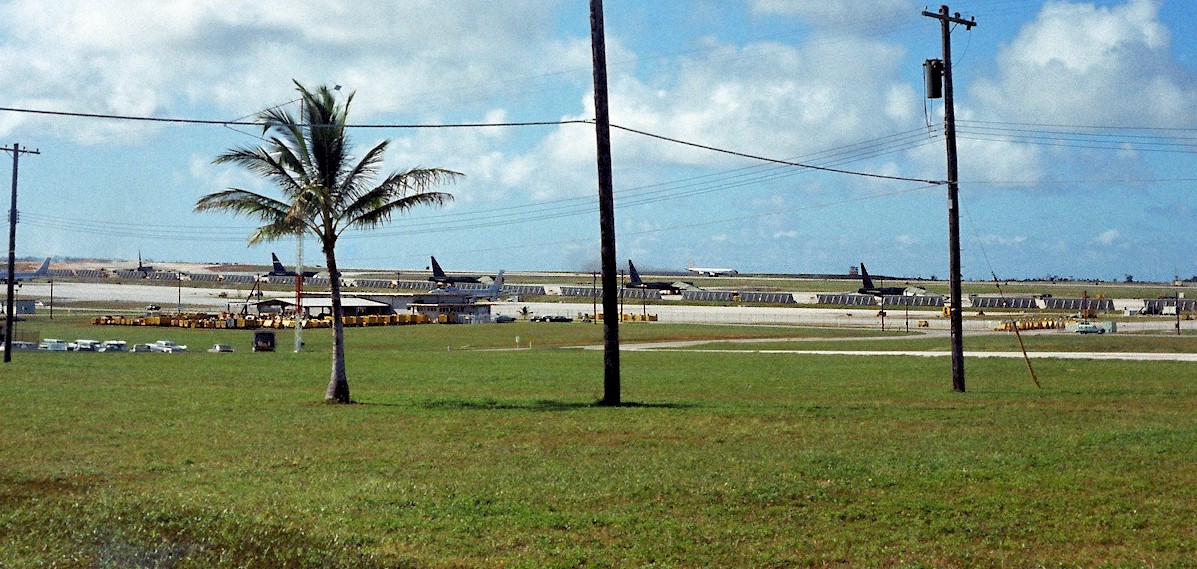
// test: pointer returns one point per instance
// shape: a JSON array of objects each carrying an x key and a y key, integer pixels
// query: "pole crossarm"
[{"x": 942, "y": 14}]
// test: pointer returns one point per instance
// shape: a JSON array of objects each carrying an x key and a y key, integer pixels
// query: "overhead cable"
[
  {"x": 255, "y": 123},
  {"x": 774, "y": 160}
]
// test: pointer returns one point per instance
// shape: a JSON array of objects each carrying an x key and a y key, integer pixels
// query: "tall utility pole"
[
  {"x": 298, "y": 292},
  {"x": 957, "y": 323},
  {"x": 602, "y": 129},
  {"x": 12, "y": 248}
]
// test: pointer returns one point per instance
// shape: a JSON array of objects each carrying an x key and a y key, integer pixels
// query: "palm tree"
[{"x": 323, "y": 192}]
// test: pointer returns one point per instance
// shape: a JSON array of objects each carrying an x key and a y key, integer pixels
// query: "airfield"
[
  {"x": 754, "y": 436},
  {"x": 131, "y": 294}
]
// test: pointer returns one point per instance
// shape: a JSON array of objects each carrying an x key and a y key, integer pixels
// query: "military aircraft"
[
  {"x": 18, "y": 276},
  {"x": 491, "y": 292},
  {"x": 870, "y": 288},
  {"x": 280, "y": 271},
  {"x": 712, "y": 272},
  {"x": 439, "y": 276},
  {"x": 634, "y": 281},
  {"x": 142, "y": 268}
]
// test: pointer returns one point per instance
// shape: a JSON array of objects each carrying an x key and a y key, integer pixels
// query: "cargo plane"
[
  {"x": 489, "y": 293},
  {"x": 712, "y": 272},
  {"x": 439, "y": 276},
  {"x": 634, "y": 281},
  {"x": 18, "y": 276},
  {"x": 870, "y": 288},
  {"x": 280, "y": 271}
]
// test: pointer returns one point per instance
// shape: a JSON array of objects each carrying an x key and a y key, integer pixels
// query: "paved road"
[
  {"x": 804, "y": 316},
  {"x": 1132, "y": 356}
]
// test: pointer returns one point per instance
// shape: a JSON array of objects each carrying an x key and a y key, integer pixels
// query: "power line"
[
  {"x": 211, "y": 122},
  {"x": 1077, "y": 126},
  {"x": 774, "y": 160}
]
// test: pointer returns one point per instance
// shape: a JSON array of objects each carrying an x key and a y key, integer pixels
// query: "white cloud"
[
  {"x": 1107, "y": 237},
  {"x": 1082, "y": 64},
  {"x": 832, "y": 12},
  {"x": 1004, "y": 240},
  {"x": 166, "y": 57},
  {"x": 769, "y": 99}
]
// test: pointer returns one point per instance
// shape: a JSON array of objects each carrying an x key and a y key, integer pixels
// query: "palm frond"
[
  {"x": 244, "y": 202},
  {"x": 358, "y": 180},
  {"x": 323, "y": 191},
  {"x": 378, "y": 213},
  {"x": 277, "y": 215}
]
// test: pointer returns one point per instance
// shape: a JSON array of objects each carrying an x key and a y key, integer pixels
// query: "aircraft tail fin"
[
  {"x": 278, "y": 266},
  {"x": 494, "y": 290},
  {"x": 633, "y": 276},
  {"x": 44, "y": 269},
  {"x": 437, "y": 271},
  {"x": 864, "y": 275}
]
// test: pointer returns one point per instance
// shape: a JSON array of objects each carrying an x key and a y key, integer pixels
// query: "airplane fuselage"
[{"x": 883, "y": 290}]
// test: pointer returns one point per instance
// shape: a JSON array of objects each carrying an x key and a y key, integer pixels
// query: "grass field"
[{"x": 456, "y": 456}]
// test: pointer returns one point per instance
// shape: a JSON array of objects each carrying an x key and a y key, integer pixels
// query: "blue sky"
[{"x": 1078, "y": 130}]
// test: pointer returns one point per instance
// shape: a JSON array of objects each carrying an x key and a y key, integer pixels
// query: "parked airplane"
[
  {"x": 709, "y": 272},
  {"x": 870, "y": 288},
  {"x": 634, "y": 281},
  {"x": 18, "y": 276},
  {"x": 439, "y": 276},
  {"x": 491, "y": 292},
  {"x": 280, "y": 271}
]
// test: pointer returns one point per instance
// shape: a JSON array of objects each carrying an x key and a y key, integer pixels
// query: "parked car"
[
  {"x": 552, "y": 319},
  {"x": 167, "y": 347},
  {"x": 18, "y": 345},
  {"x": 84, "y": 346},
  {"x": 53, "y": 345},
  {"x": 141, "y": 348},
  {"x": 1089, "y": 328},
  {"x": 114, "y": 346},
  {"x": 220, "y": 348},
  {"x": 502, "y": 318}
]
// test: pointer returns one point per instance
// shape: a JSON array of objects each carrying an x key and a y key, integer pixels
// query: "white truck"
[{"x": 167, "y": 347}]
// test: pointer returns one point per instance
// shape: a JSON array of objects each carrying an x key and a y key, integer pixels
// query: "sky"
[{"x": 1076, "y": 128}]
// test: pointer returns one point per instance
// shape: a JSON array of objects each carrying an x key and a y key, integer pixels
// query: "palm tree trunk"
[{"x": 338, "y": 383}]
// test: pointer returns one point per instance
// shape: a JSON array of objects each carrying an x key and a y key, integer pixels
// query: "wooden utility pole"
[
  {"x": 602, "y": 129},
  {"x": 956, "y": 316},
  {"x": 298, "y": 291},
  {"x": 12, "y": 249}
]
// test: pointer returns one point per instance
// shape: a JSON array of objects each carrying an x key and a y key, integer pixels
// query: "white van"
[{"x": 53, "y": 345}]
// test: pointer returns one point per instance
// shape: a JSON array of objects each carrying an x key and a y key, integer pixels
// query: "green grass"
[
  {"x": 491, "y": 336},
  {"x": 465, "y": 458}
]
